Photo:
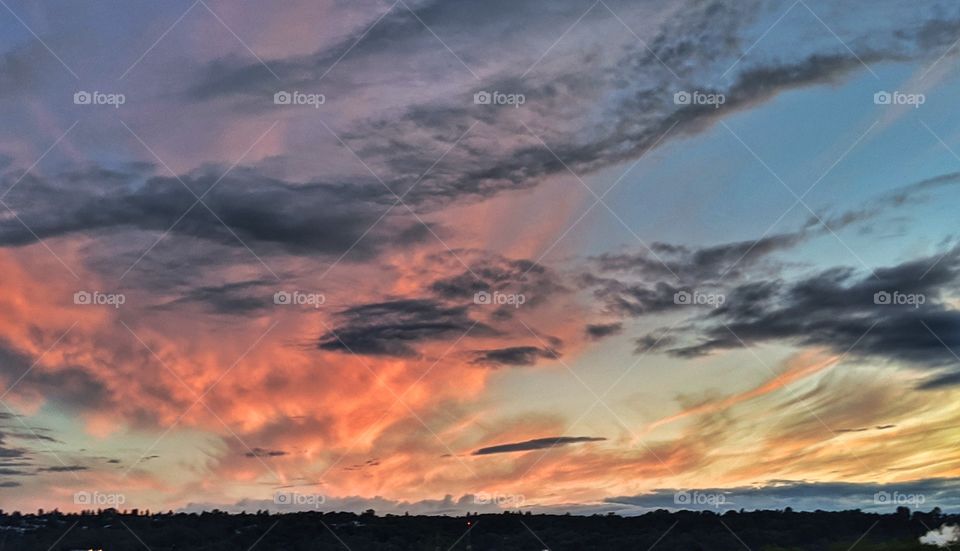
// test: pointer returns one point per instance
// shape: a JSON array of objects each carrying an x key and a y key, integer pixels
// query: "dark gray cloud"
[
  {"x": 22, "y": 69},
  {"x": 261, "y": 452},
  {"x": 274, "y": 215},
  {"x": 368, "y": 464},
  {"x": 394, "y": 328},
  {"x": 633, "y": 85},
  {"x": 633, "y": 284},
  {"x": 8, "y": 452},
  {"x": 536, "y": 444},
  {"x": 69, "y": 386},
  {"x": 513, "y": 356},
  {"x": 63, "y": 469},
  {"x": 490, "y": 273},
  {"x": 701, "y": 265},
  {"x": 633, "y": 299},
  {"x": 837, "y": 308},
  {"x": 598, "y": 331},
  {"x": 234, "y": 298}
]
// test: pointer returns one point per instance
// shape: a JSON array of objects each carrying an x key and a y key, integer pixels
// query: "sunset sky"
[{"x": 686, "y": 248}]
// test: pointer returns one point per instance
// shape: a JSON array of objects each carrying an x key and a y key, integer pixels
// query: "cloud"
[
  {"x": 536, "y": 444},
  {"x": 513, "y": 356},
  {"x": 247, "y": 207},
  {"x": 704, "y": 264},
  {"x": 23, "y": 69},
  {"x": 394, "y": 327},
  {"x": 838, "y": 309},
  {"x": 63, "y": 469},
  {"x": 492, "y": 272},
  {"x": 600, "y": 330},
  {"x": 261, "y": 452},
  {"x": 233, "y": 298},
  {"x": 616, "y": 103},
  {"x": 69, "y": 385}
]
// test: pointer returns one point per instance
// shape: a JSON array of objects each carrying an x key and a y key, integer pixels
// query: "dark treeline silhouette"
[{"x": 662, "y": 530}]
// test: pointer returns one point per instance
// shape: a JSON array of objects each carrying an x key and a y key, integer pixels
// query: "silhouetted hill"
[{"x": 661, "y": 530}]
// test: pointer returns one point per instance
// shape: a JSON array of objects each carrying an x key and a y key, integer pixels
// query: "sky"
[{"x": 450, "y": 256}]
